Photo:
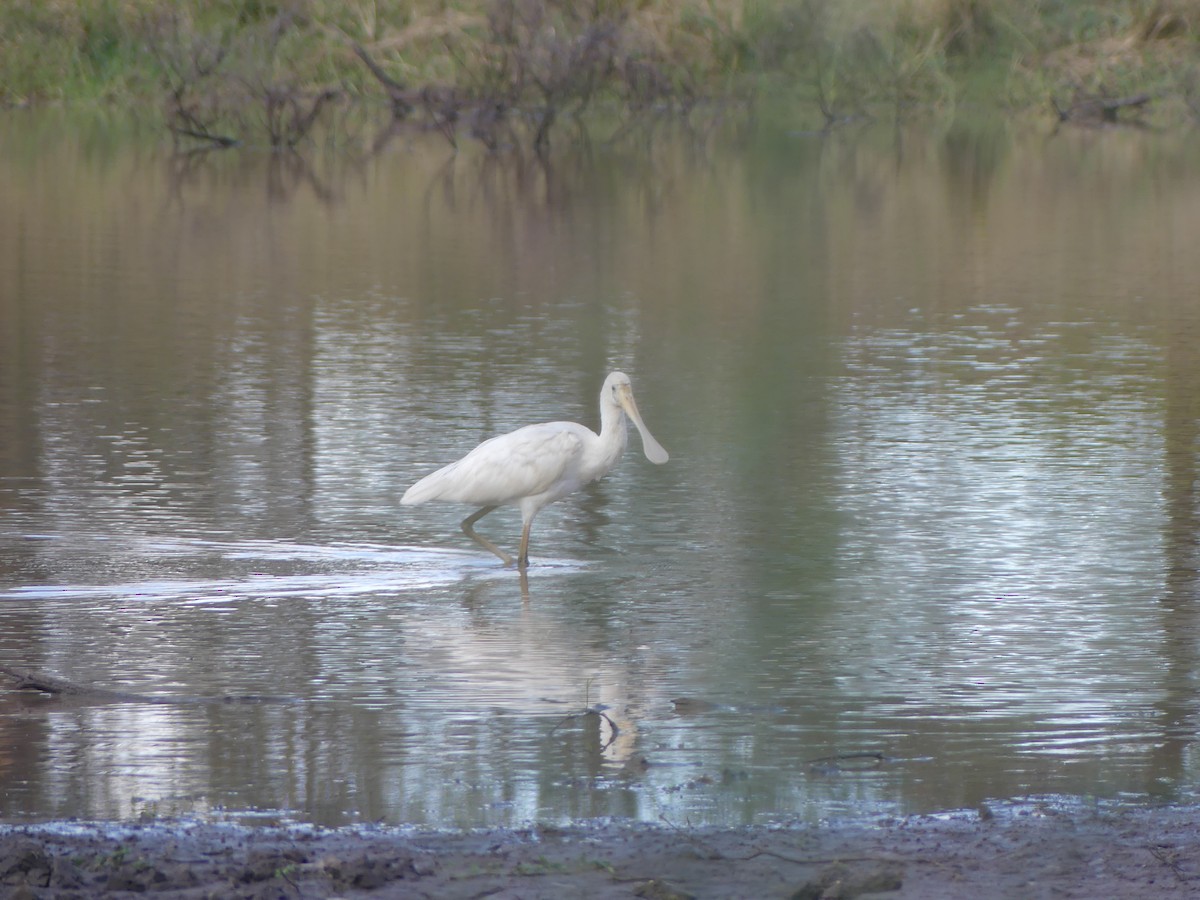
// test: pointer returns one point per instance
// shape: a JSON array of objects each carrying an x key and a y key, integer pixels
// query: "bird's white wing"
[{"x": 522, "y": 463}]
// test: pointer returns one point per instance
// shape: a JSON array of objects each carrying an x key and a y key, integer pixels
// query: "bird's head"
[{"x": 618, "y": 389}]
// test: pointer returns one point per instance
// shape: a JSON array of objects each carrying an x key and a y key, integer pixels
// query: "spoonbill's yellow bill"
[{"x": 533, "y": 466}]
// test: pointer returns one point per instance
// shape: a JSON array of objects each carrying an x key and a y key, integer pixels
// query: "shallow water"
[{"x": 927, "y": 536}]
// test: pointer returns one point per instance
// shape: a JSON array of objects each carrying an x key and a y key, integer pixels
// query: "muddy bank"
[{"x": 1027, "y": 851}]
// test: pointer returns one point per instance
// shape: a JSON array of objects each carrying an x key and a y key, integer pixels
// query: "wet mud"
[{"x": 1030, "y": 851}]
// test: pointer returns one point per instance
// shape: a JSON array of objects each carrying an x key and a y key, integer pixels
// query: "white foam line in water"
[
  {"x": 384, "y": 569},
  {"x": 267, "y": 549},
  {"x": 258, "y": 587},
  {"x": 341, "y": 552}
]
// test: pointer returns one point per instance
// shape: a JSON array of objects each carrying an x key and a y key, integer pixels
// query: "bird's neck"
[{"x": 613, "y": 431}]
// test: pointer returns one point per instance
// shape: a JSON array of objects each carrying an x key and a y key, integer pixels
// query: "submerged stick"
[
  {"x": 591, "y": 711},
  {"x": 28, "y": 680}
]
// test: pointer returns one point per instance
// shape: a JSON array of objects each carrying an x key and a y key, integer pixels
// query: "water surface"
[{"x": 927, "y": 536}]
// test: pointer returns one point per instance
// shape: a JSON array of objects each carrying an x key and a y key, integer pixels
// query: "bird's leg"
[
  {"x": 523, "y": 555},
  {"x": 468, "y": 527}
]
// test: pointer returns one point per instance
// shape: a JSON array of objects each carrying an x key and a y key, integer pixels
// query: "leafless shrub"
[
  {"x": 519, "y": 70},
  {"x": 289, "y": 114},
  {"x": 531, "y": 64},
  {"x": 398, "y": 94},
  {"x": 191, "y": 65},
  {"x": 547, "y": 59},
  {"x": 226, "y": 88}
]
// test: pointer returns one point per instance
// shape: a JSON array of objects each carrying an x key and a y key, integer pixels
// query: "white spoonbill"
[{"x": 538, "y": 464}]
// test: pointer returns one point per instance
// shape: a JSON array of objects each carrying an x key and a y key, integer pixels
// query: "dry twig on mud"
[{"x": 1170, "y": 859}]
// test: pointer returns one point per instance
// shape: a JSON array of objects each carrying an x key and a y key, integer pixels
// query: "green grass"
[{"x": 844, "y": 57}]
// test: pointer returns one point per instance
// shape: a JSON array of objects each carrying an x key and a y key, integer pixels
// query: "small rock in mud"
[
  {"x": 840, "y": 882},
  {"x": 657, "y": 889},
  {"x": 368, "y": 872},
  {"x": 25, "y": 862},
  {"x": 263, "y": 865}
]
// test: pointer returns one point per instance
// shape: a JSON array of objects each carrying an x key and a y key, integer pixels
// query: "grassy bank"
[{"x": 266, "y": 70}]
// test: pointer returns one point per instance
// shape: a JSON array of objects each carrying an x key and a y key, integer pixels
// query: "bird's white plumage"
[
  {"x": 538, "y": 464},
  {"x": 504, "y": 469}
]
